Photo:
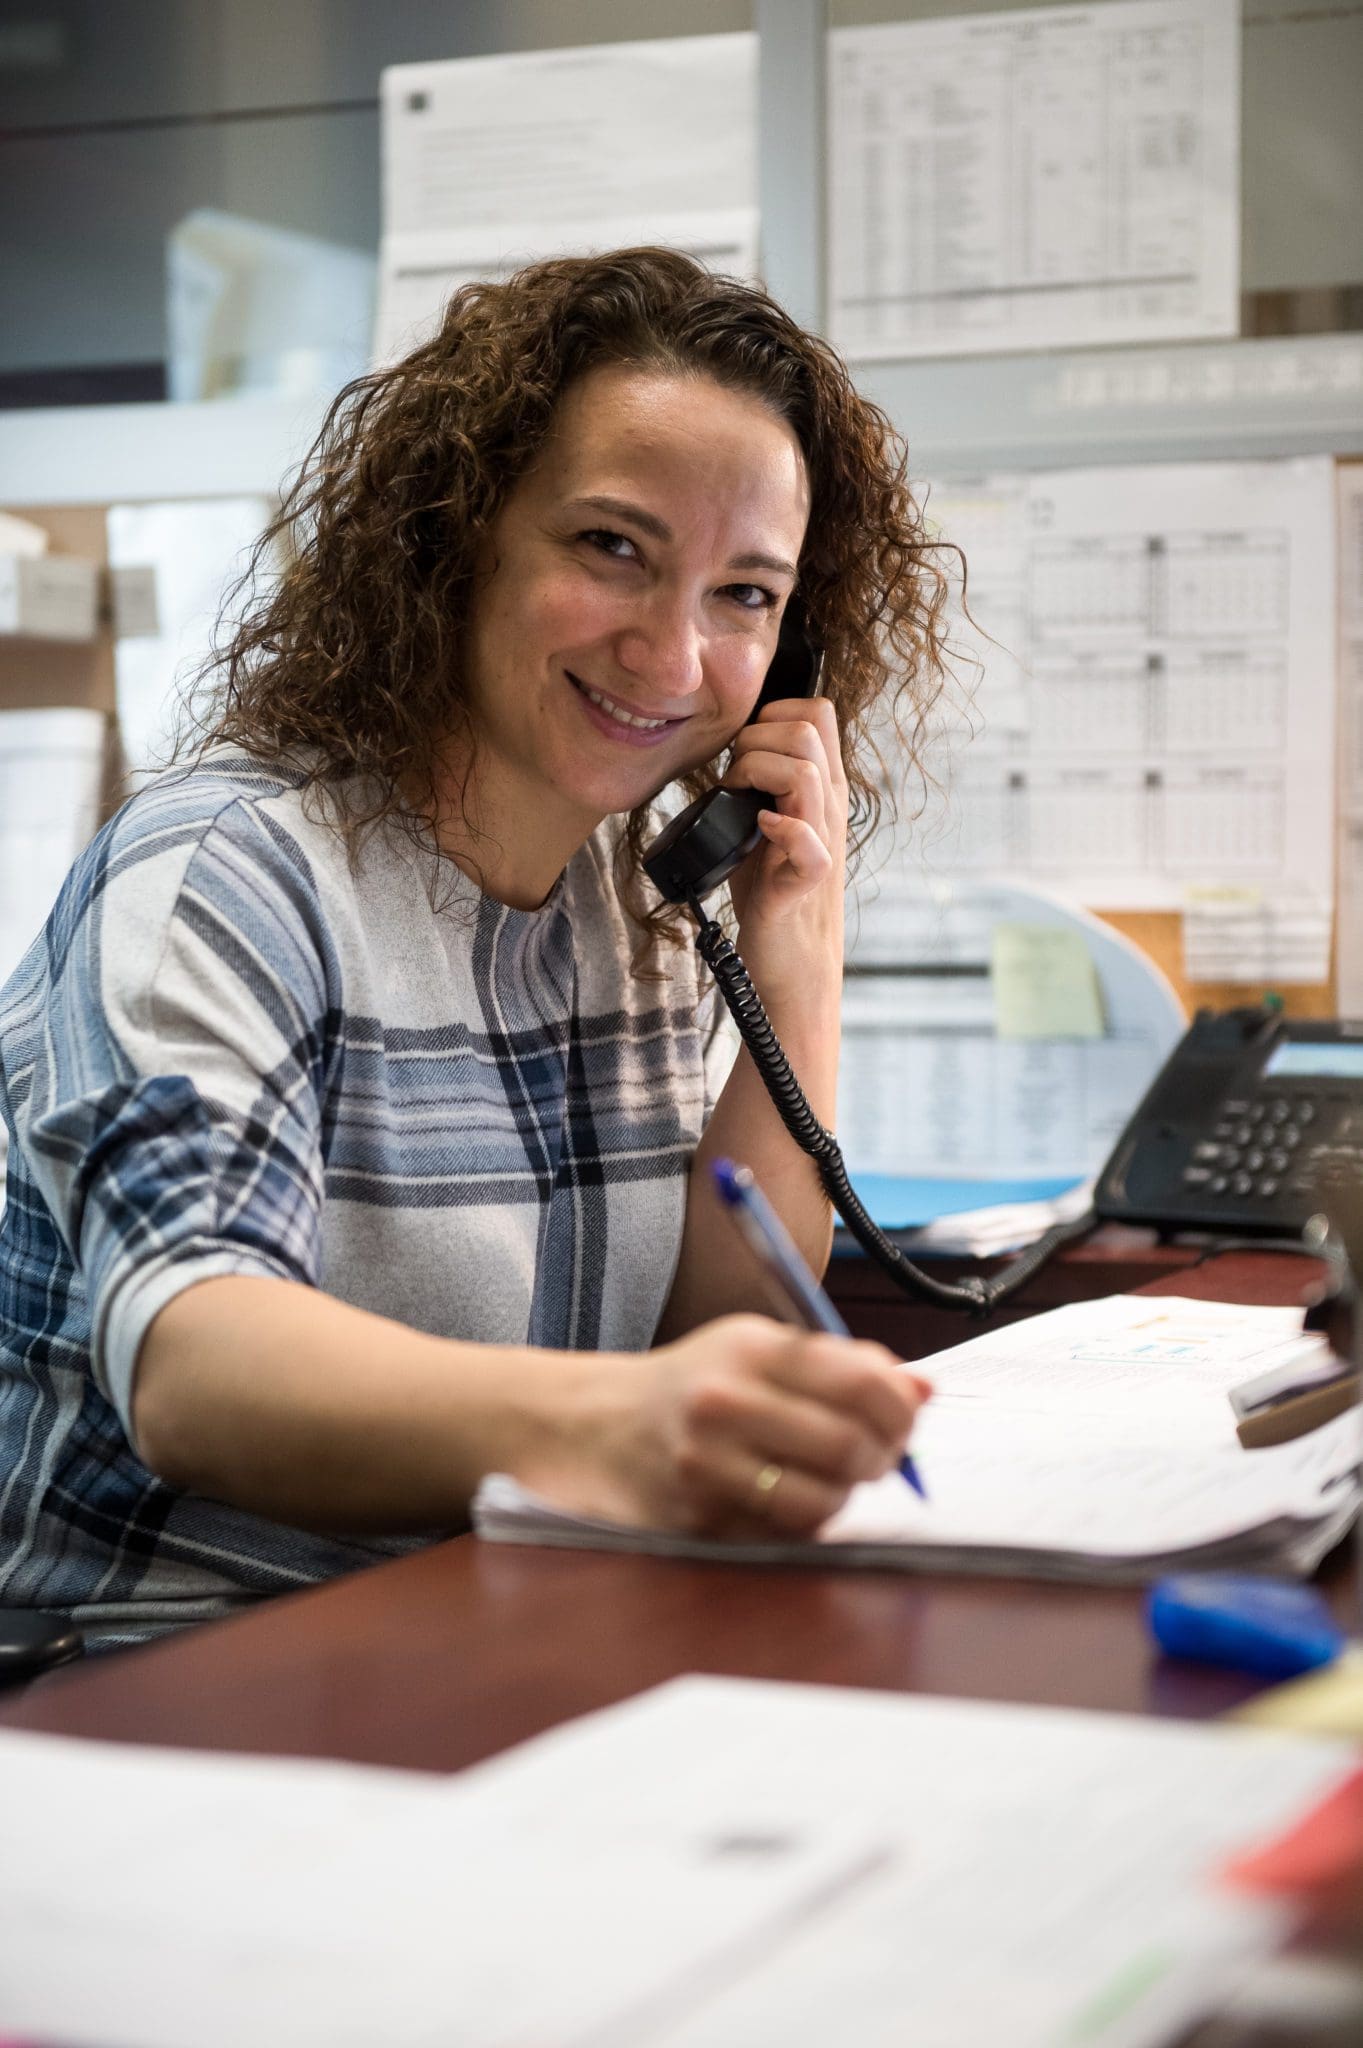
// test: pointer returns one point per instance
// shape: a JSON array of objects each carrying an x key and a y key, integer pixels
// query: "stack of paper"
[
  {"x": 1097, "y": 1443},
  {"x": 717, "y": 1861}
]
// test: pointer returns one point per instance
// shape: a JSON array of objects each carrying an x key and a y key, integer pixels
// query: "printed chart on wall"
[
  {"x": 1155, "y": 705},
  {"x": 1349, "y": 956},
  {"x": 491, "y": 161},
  {"x": 1043, "y": 178}
]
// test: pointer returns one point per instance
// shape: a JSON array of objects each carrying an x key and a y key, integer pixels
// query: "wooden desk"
[{"x": 443, "y": 1658}]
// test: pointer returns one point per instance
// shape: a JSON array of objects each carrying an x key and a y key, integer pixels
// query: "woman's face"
[{"x": 632, "y": 589}]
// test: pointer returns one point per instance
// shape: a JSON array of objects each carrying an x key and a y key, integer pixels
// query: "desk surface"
[{"x": 444, "y": 1657}]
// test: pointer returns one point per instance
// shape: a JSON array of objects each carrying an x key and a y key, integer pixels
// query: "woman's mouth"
[{"x": 618, "y": 720}]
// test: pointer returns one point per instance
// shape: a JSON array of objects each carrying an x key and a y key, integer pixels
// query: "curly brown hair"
[{"x": 348, "y": 663}]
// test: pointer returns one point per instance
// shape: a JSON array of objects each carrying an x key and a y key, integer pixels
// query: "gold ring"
[{"x": 769, "y": 1478}]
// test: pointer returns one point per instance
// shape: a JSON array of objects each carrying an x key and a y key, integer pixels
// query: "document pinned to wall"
[
  {"x": 1349, "y": 955},
  {"x": 1046, "y": 178},
  {"x": 489, "y": 162},
  {"x": 1152, "y": 653},
  {"x": 933, "y": 1080}
]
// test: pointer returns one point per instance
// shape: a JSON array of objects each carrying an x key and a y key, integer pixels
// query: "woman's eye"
[
  {"x": 753, "y": 597},
  {"x": 618, "y": 545}
]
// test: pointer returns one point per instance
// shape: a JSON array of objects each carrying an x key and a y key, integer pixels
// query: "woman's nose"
[{"x": 662, "y": 646}]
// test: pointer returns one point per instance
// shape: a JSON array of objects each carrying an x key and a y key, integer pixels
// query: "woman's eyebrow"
[{"x": 658, "y": 529}]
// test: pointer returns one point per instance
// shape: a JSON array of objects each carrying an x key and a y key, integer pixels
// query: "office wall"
[{"x": 116, "y": 120}]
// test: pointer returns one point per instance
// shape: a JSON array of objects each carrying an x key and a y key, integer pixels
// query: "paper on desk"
[
  {"x": 314, "y": 1905},
  {"x": 1096, "y": 1442},
  {"x": 1050, "y": 1876},
  {"x": 973, "y": 1218},
  {"x": 491, "y": 161},
  {"x": 1038, "y": 179}
]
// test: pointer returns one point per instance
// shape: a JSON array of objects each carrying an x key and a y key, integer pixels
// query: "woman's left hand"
[{"x": 789, "y": 894}]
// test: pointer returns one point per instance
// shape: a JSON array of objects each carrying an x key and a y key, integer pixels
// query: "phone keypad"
[{"x": 1251, "y": 1147}]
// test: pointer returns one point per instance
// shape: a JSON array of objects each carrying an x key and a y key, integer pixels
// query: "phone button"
[
  {"x": 1242, "y": 1184},
  {"x": 1196, "y": 1176},
  {"x": 1218, "y": 1184},
  {"x": 1268, "y": 1187}
]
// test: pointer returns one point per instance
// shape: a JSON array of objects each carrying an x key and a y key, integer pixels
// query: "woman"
[{"x": 359, "y": 1126}]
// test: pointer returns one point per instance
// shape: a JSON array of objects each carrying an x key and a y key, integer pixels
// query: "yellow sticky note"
[
  {"x": 1326, "y": 1702},
  {"x": 1044, "y": 983}
]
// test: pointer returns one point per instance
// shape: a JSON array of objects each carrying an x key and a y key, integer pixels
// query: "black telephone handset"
[
  {"x": 702, "y": 845},
  {"x": 695, "y": 853},
  {"x": 1244, "y": 1128}
]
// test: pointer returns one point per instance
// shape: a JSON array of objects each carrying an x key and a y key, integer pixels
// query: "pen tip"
[{"x": 726, "y": 1178}]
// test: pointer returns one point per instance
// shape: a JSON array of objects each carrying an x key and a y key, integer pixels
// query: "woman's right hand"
[{"x": 742, "y": 1428}]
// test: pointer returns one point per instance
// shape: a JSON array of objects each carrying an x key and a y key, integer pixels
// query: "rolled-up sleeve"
[{"x": 174, "y": 1114}]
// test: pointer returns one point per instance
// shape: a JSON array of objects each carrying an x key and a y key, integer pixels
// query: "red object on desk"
[{"x": 1319, "y": 1852}]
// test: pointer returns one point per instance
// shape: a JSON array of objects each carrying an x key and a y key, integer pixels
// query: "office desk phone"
[{"x": 1252, "y": 1116}]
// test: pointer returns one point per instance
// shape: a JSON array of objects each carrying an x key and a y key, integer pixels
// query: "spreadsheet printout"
[
  {"x": 1153, "y": 700},
  {"x": 1050, "y": 177}
]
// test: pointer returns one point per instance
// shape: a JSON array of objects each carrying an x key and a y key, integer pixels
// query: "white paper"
[
  {"x": 1349, "y": 950},
  {"x": 313, "y": 1905},
  {"x": 926, "y": 1085},
  {"x": 195, "y": 549},
  {"x": 1095, "y": 1442},
  {"x": 489, "y": 162},
  {"x": 1057, "y": 1879},
  {"x": 1045, "y": 178},
  {"x": 51, "y": 775},
  {"x": 1154, "y": 664}
]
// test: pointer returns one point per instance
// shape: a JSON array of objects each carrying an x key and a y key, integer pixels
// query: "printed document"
[
  {"x": 316, "y": 1905},
  {"x": 489, "y": 162},
  {"x": 716, "y": 1860},
  {"x": 930, "y": 1080},
  {"x": 1048, "y": 178},
  {"x": 1096, "y": 1442},
  {"x": 1154, "y": 700}
]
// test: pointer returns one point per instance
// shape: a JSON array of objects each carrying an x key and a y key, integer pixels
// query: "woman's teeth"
[{"x": 622, "y": 717}]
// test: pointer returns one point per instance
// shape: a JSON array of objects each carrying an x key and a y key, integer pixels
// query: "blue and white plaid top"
[{"x": 230, "y": 1053}]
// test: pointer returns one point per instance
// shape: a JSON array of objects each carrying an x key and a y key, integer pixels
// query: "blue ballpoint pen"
[{"x": 774, "y": 1247}]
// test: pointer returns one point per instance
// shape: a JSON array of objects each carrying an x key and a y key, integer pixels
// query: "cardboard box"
[{"x": 49, "y": 597}]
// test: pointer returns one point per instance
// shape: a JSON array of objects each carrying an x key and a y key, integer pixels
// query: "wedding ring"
[{"x": 769, "y": 1478}]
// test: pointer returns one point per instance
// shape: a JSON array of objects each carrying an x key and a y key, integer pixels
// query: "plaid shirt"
[{"x": 230, "y": 1053}]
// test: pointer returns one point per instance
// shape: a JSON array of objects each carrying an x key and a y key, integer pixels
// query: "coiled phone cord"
[{"x": 976, "y": 1296}]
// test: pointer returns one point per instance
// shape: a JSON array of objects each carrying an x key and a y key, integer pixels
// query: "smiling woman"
[{"x": 360, "y": 1124}]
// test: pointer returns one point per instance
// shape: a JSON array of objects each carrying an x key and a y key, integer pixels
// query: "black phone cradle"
[{"x": 977, "y": 1297}]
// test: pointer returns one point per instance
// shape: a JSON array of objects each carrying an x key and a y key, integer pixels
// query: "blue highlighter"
[{"x": 1262, "y": 1626}]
